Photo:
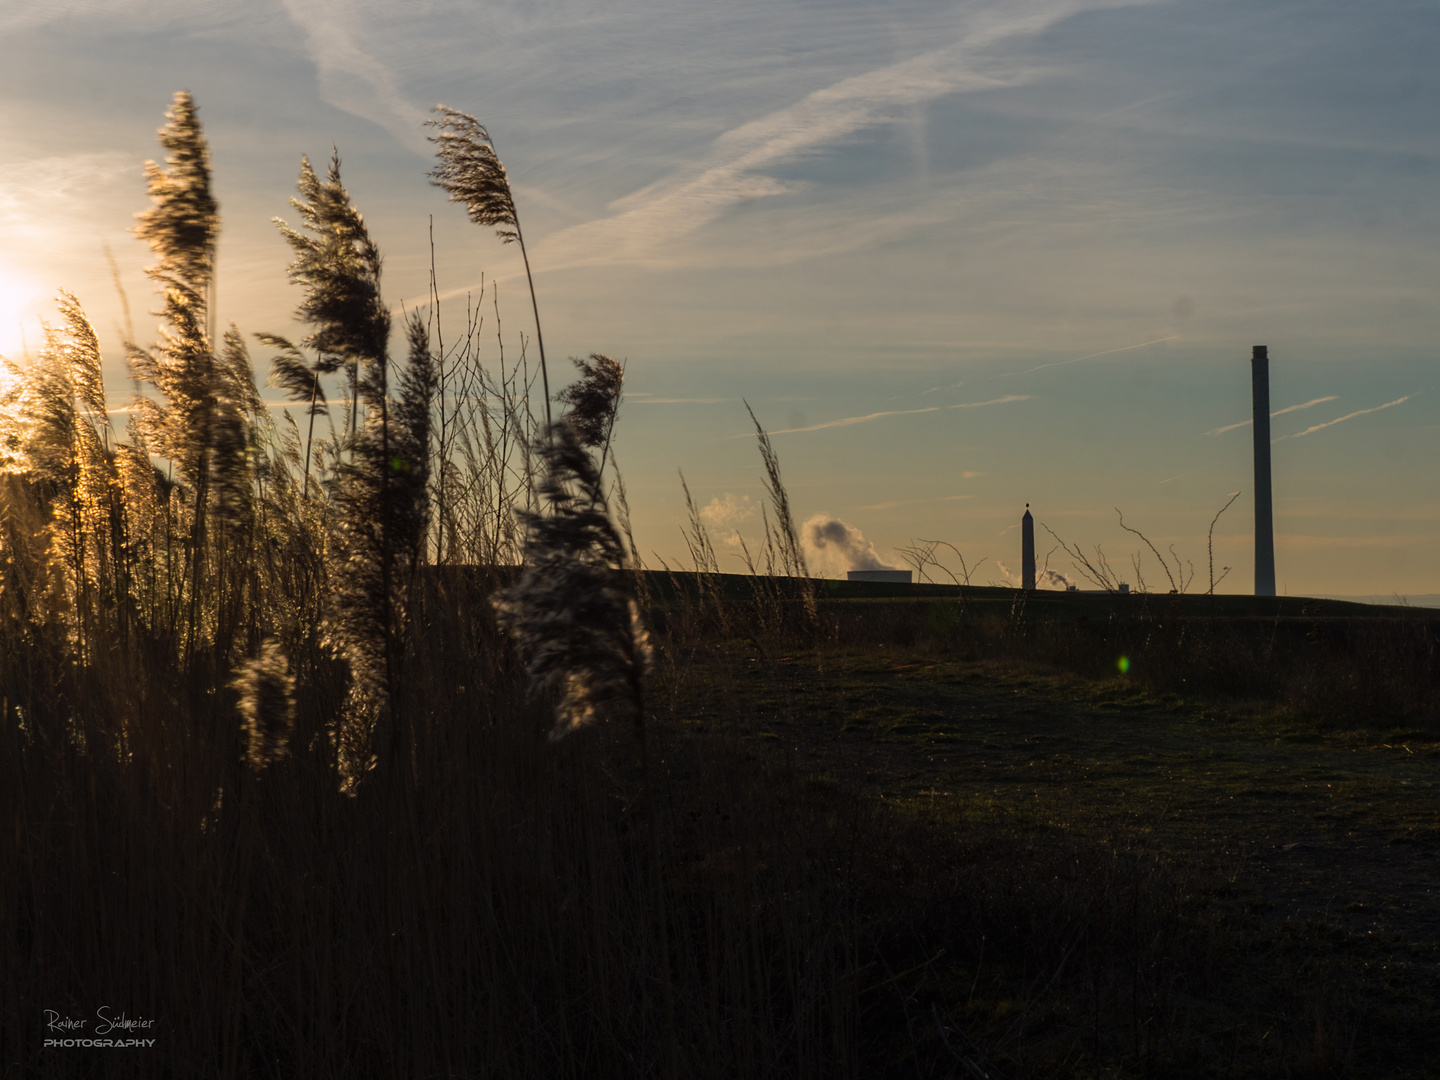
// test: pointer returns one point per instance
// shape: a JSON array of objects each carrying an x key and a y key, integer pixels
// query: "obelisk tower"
[{"x": 1264, "y": 518}]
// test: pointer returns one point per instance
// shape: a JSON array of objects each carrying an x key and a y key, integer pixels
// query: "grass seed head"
[
  {"x": 471, "y": 172},
  {"x": 267, "y": 705},
  {"x": 594, "y": 398},
  {"x": 572, "y": 615}
]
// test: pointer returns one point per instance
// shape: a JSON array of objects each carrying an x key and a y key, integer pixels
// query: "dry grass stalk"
[
  {"x": 266, "y": 702},
  {"x": 1176, "y": 586},
  {"x": 1098, "y": 572},
  {"x": 792, "y": 556},
  {"x": 301, "y": 380},
  {"x": 1210, "y": 545},
  {"x": 338, "y": 267},
  {"x": 594, "y": 402},
  {"x": 572, "y": 614},
  {"x": 471, "y": 172},
  {"x": 380, "y": 491},
  {"x": 183, "y": 224}
]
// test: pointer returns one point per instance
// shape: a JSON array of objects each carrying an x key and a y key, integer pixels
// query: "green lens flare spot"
[{"x": 1123, "y": 664}]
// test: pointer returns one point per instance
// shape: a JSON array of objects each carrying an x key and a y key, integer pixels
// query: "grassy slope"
[{"x": 1309, "y": 852}]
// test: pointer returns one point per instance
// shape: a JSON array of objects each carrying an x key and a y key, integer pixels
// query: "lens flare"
[{"x": 1124, "y": 665}]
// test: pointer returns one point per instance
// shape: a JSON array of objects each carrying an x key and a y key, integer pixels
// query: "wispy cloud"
[
  {"x": 1091, "y": 356},
  {"x": 1308, "y": 404},
  {"x": 34, "y": 193},
  {"x": 1348, "y": 416},
  {"x": 1006, "y": 400},
  {"x": 677, "y": 400},
  {"x": 910, "y": 502},
  {"x": 353, "y": 77},
  {"x": 1277, "y": 412},
  {"x": 645, "y": 226},
  {"x": 1177, "y": 476},
  {"x": 844, "y": 421},
  {"x": 24, "y": 14}
]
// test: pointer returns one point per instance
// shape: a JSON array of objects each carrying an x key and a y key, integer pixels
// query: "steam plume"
[
  {"x": 1045, "y": 578},
  {"x": 834, "y": 547},
  {"x": 1053, "y": 579}
]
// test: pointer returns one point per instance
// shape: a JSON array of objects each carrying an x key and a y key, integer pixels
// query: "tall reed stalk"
[
  {"x": 471, "y": 172},
  {"x": 181, "y": 228},
  {"x": 381, "y": 488}
]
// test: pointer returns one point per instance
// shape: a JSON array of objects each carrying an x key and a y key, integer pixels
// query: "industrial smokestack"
[
  {"x": 1027, "y": 550},
  {"x": 1264, "y": 518}
]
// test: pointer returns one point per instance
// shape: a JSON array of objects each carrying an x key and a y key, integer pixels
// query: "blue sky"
[{"x": 1021, "y": 249}]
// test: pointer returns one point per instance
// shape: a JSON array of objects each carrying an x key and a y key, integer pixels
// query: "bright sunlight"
[{"x": 19, "y": 302}]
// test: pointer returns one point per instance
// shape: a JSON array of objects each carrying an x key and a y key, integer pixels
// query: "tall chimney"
[
  {"x": 1027, "y": 550},
  {"x": 1264, "y": 518}
]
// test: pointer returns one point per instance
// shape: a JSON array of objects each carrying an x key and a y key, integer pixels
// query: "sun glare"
[{"x": 20, "y": 302}]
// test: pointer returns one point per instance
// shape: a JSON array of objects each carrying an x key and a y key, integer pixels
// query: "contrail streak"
[
  {"x": 993, "y": 401},
  {"x": 845, "y": 421},
  {"x": 1278, "y": 412},
  {"x": 1351, "y": 416},
  {"x": 1092, "y": 356}
]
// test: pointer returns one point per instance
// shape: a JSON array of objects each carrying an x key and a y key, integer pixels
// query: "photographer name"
[{"x": 105, "y": 1022}]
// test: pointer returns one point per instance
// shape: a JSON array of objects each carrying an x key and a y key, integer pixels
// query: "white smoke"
[
  {"x": 1045, "y": 578},
  {"x": 832, "y": 548},
  {"x": 724, "y": 514},
  {"x": 1053, "y": 579}
]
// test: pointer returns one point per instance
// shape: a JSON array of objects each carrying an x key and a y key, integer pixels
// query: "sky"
[{"x": 957, "y": 256}]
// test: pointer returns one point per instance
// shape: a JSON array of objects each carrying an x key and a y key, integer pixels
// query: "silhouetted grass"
[{"x": 274, "y": 778}]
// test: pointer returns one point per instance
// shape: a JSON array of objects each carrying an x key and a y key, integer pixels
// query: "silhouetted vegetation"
[{"x": 273, "y": 719}]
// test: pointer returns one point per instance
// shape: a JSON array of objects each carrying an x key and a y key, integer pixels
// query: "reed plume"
[
  {"x": 380, "y": 491},
  {"x": 266, "y": 702},
  {"x": 95, "y": 536},
  {"x": 48, "y": 429},
  {"x": 301, "y": 381},
  {"x": 409, "y": 471},
  {"x": 382, "y": 499},
  {"x": 339, "y": 266},
  {"x": 203, "y": 421},
  {"x": 233, "y": 446},
  {"x": 572, "y": 615},
  {"x": 184, "y": 223},
  {"x": 594, "y": 401},
  {"x": 181, "y": 227},
  {"x": 792, "y": 556},
  {"x": 471, "y": 172},
  {"x": 13, "y": 419}
]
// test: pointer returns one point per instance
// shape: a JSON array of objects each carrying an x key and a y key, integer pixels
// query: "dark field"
[
  {"x": 923, "y": 837},
  {"x": 1264, "y": 861}
]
